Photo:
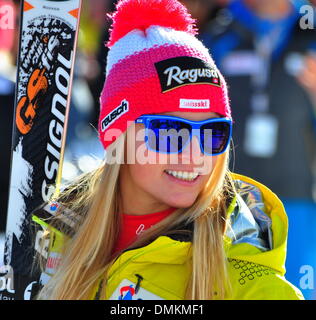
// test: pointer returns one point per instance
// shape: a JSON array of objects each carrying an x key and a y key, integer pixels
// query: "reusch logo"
[
  {"x": 176, "y": 72},
  {"x": 115, "y": 114}
]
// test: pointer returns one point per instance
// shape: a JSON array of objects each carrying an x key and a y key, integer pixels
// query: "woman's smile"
[
  {"x": 183, "y": 178},
  {"x": 183, "y": 175}
]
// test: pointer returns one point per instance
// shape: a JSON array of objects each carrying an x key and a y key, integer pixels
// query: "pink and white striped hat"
[{"x": 155, "y": 64}]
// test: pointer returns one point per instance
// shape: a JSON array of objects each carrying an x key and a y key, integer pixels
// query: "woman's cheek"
[{"x": 208, "y": 165}]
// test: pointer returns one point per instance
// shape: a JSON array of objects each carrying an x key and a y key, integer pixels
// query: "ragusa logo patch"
[{"x": 180, "y": 71}]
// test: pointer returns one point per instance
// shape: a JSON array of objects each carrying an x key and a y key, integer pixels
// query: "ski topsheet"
[{"x": 48, "y": 37}]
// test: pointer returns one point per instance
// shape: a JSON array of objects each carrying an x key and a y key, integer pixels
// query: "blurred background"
[{"x": 266, "y": 49}]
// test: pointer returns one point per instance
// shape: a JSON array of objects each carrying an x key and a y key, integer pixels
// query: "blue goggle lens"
[{"x": 171, "y": 136}]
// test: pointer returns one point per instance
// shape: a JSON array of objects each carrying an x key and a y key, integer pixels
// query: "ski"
[{"x": 48, "y": 39}]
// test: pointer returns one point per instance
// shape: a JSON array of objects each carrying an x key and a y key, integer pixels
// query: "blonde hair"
[{"x": 88, "y": 254}]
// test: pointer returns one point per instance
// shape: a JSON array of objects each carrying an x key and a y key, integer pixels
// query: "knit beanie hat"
[{"x": 155, "y": 64}]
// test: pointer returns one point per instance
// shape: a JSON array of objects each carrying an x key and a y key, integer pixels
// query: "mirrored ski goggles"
[{"x": 169, "y": 134}]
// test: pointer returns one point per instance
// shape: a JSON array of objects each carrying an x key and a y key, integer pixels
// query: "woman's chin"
[{"x": 179, "y": 202}]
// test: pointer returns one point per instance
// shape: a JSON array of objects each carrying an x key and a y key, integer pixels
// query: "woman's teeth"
[{"x": 183, "y": 175}]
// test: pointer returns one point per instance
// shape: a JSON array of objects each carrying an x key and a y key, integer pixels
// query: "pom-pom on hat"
[{"x": 155, "y": 64}]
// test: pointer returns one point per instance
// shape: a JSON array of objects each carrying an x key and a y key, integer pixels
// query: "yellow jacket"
[{"x": 255, "y": 246}]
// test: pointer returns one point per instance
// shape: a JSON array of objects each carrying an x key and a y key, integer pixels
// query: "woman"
[{"x": 163, "y": 218}]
